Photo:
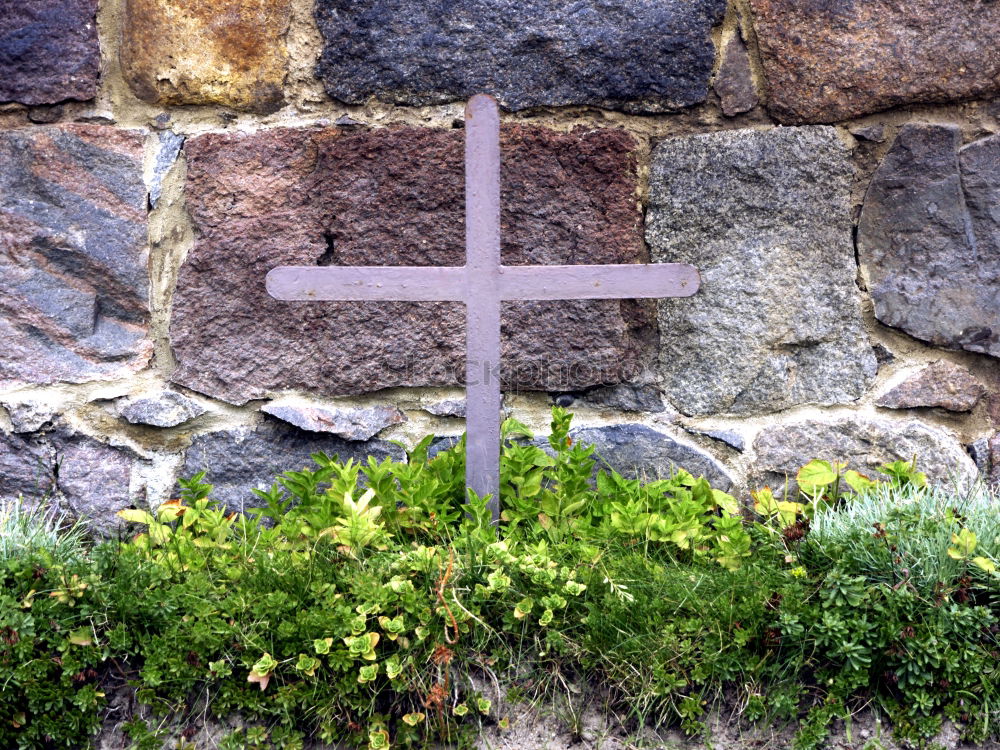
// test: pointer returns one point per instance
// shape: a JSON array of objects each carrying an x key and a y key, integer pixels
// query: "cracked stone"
[
  {"x": 942, "y": 384},
  {"x": 929, "y": 238},
  {"x": 74, "y": 279},
  {"x": 765, "y": 217},
  {"x": 348, "y": 422}
]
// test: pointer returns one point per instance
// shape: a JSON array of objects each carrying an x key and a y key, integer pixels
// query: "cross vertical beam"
[{"x": 482, "y": 309}]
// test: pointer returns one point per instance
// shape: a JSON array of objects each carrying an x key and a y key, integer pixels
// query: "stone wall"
[{"x": 832, "y": 168}]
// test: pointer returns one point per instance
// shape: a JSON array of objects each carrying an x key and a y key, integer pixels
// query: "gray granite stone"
[
  {"x": 347, "y": 422},
  {"x": 626, "y": 397},
  {"x": 170, "y": 147},
  {"x": 943, "y": 384},
  {"x": 165, "y": 409},
  {"x": 78, "y": 474},
  {"x": 929, "y": 238},
  {"x": 765, "y": 217},
  {"x": 242, "y": 459},
  {"x": 49, "y": 51},
  {"x": 640, "y": 56},
  {"x": 449, "y": 407},
  {"x": 780, "y": 451},
  {"x": 30, "y": 415},
  {"x": 635, "y": 450},
  {"x": 732, "y": 438},
  {"x": 74, "y": 276}
]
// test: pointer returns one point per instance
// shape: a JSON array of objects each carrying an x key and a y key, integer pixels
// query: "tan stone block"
[{"x": 223, "y": 52}]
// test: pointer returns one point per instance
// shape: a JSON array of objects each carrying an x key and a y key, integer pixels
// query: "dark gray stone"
[
  {"x": 929, "y": 238},
  {"x": 872, "y": 133},
  {"x": 994, "y": 476},
  {"x": 635, "y": 450},
  {"x": 347, "y": 422},
  {"x": 765, "y": 217},
  {"x": 780, "y": 451},
  {"x": 733, "y": 439},
  {"x": 77, "y": 473},
  {"x": 734, "y": 81},
  {"x": 626, "y": 397},
  {"x": 451, "y": 407},
  {"x": 640, "y": 56},
  {"x": 166, "y": 409},
  {"x": 242, "y": 459},
  {"x": 49, "y": 51},
  {"x": 979, "y": 451}
]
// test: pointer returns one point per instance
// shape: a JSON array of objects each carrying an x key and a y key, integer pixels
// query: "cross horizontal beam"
[{"x": 451, "y": 283}]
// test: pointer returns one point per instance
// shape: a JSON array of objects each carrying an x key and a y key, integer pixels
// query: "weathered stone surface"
[
  {"x": 48, "y": 51},
  {"x": 626, "y": 397},
  {"x": 244, "y": 458},
  {"x": 929, "y": 238},
  {"x": 734, "y": 81},
  {"x": 29, "y": 415},
  {"x": 449, "y": 407},
  {"x": 74, "y": 283},
  {"x": 942, "y": 384},
  {"x": 165, "y": 409},
  {"x": 765, "y": 218},
  {"x": 349, "y": 423},
  {"x": 225, "y": 52},
  {"x": 166, "y": 155},
  {"x": 827, "y": 61},
  {"x": 642, "y": 56},
  {"x": 732, "y": 438},
  {"x": 85, "y": 477},
  {"x": 864, "y": 444},
  {"x": 635, "y": 450},
  {"x": 392, "y": 197},
  {"x": 994, "y": 477}
]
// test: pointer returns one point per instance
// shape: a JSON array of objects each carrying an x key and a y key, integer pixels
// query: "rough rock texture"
[
  {"x": 165, "y": 409},
  {"x": 349, "y": 423},
  {"x": 242, "y": 459},
  {"x": 635, "y": 450},
  {"x": 732, "y": 438},
  {"x": 641, "y": 56},
  {"x": 170, "y": 147},
  {"x": 48, "y": 51},
  {"x": 29, "y": 415},
  {"x": 942, "y": 384},
  {"x": 396, "y": 197},
  {"x": 994, "y": 477},
  {"x": 85, "y": 477},
  {"x": 829, "y": 60},
  {"x": 765, "y": 218},
  {"x": 734, "y": 81},
  {"x": 929, "y": 238},
  {"x": 74, "y": 286},
  {"x": 625, "y": 397},
  {"x": 449, "y": 407},
  {"x": 225, "y": 52},
  {"x": 864, "y": 444}
]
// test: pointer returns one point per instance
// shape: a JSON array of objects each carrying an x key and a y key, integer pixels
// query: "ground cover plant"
[{"x": 368, "y": 604}]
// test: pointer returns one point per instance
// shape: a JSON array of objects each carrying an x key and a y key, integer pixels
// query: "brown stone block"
[
  {"x": 396, "y": 197},
  {"x": 830, "y": 60},
  {"x": 223, "y": 52}
]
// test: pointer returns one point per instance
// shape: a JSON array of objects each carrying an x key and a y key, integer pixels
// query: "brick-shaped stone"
[
  {"x": 396, "y": 197},
  {"x": 929, "y": 238},
  {"x": 48, "y": 51},
  {"x": 74, "y": 278},
  {"x": 765, "y": 217},
  {"x": 229, "y": 53},
  {"x": 830, "y": 60},
  {"x": 640, "y": 56}
]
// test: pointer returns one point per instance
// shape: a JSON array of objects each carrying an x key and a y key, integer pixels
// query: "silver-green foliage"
[
  {"x": 924, "y": 537},
  {"x": 26, "y": 531}
]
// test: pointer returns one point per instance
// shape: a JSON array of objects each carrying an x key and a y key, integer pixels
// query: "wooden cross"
[{"x": 483, "y": 283}]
